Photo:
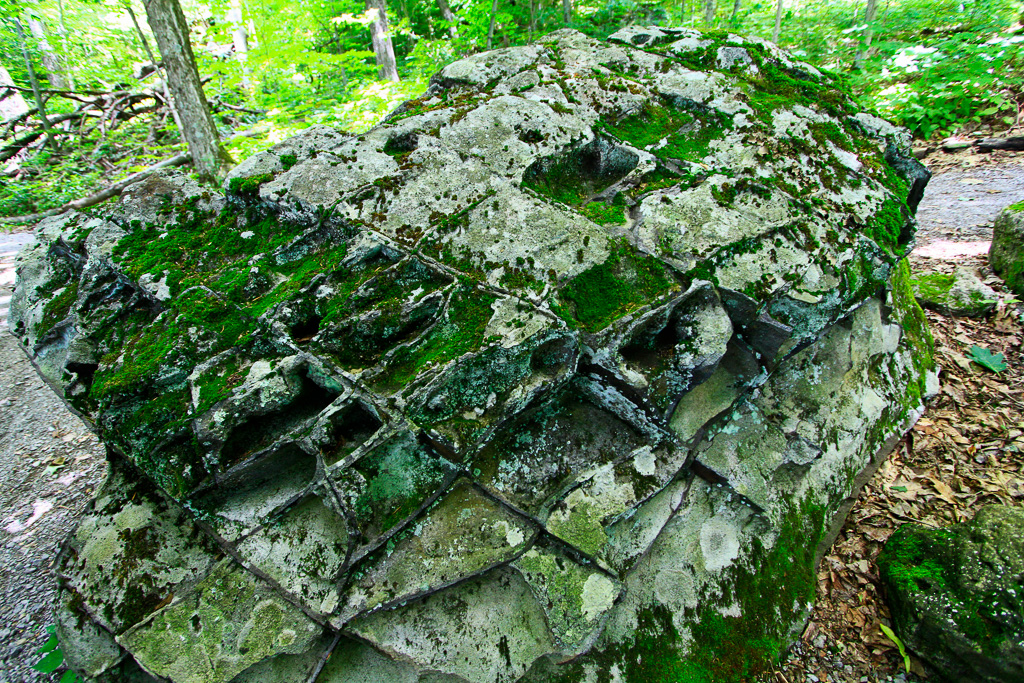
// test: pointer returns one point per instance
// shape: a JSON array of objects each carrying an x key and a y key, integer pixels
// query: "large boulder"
[
  {"x": 565, "y": 371},
  {"x": 956, "y": 594},
  {"x": 1006, "y": 255}
]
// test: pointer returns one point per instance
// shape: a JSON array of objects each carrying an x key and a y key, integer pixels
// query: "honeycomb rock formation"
[{"x": 562, "y": 373}]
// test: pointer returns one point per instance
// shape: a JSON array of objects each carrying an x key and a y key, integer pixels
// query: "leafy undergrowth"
[{"x": 967, "y": 451}]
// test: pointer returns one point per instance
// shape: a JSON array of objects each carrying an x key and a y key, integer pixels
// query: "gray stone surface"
[{"x": 565, "y": 366}]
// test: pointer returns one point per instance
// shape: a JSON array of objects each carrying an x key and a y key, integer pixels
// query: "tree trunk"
[
  {"x": 533, "y": 20},
  {"x": 778, "y": 21},
  {"x": 735, "y": 12},
  {"x": 35, "y": 85},
  {"x": 490, "y": 26},
  {"x": 383, "y": 50},
  {"x": 446, "y": 14},
  {"x": 13, "y": 104},
  {"x": 870, "y": 12},
  {"x": 710, "y": 7},
  {"x": 54, "y": 70},
  {"x": 567, "y": 11},
  {"x": 240, "y": 39},
  {"x": 171, "y": 32},
  {"x": 69, "y": 61}
]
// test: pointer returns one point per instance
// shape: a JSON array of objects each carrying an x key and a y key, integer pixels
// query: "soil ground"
[{"x": 968, "y": 450}]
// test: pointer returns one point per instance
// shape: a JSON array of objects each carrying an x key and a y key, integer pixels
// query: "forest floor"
[{"x": 967, "y": 451}]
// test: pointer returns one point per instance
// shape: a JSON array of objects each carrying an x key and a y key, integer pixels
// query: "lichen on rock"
[{"x": 562, "y": 370}]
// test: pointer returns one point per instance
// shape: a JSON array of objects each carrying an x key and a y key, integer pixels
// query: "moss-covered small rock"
[
  {"x": 956, "y": 594},
  {"x": 1006, "y": 255},
  {"x": 960, "y": 293}
]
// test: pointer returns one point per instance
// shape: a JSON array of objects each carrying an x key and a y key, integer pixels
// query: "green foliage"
[
  {"x": 988, "y": 360},
  {"x": 53, "y": 658}
]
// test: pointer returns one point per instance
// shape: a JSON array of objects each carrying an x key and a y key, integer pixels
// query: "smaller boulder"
[
  {"x": 956, "y": 594},
  {"x": 960, "y": 293},
  {"x": 1006, "y": 255}
]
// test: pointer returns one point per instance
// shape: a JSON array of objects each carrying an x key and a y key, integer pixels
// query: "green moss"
[
  {"x": 460, "y": 331},
  {"x": 647, "y": 126},
  {"x": 57, "y": 308},
  {"x": 887, "y": 226},
  {"x": 917, "y": 560},
  {"x": 775, "y": 87},
  {"x": 914, "y": 323},
  {"x": 1019, "y": 206},
  {"x": 604, "y": 213},
  {"x": 605, "y": 292},
  {"x": 249, "y": 185},
  {"x": 288, "y": 160},
  {"x": 934, "y": 286}
]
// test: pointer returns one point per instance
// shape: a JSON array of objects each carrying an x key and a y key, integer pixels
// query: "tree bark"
[
  {"x": 35, "y": 86},
  {"x": 490, "y": 26},
  {"x": 240, "y": 40},
  {"x": 710, "y": 7},
  {"x": 383, "y": 50},
  {"x": 171, "y": 32},
  {"x": 870, "y": 12},
  {"x": 12, "y": 105},
  {"x": 735, "y": 12},
  {"x": 778, "y": 21},
  {"x": 447, "y": 15},
  {"x": 567, "y": 11},
  {"x": 54, "y": 69},
  {"x": 69, "y": 71}
]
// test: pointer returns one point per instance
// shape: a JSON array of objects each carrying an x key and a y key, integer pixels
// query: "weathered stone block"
[{"x": 561, "y": 372}]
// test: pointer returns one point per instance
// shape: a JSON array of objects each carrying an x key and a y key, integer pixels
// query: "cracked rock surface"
[{"x": 563, "y": 371}]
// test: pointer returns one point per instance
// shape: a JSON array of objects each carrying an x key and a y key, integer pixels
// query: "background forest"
[{"x": 273, "y": 67}]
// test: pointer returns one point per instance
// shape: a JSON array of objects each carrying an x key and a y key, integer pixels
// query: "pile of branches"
[{"x": 94, "y": 111}]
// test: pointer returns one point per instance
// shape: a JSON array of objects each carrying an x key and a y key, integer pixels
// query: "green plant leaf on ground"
[
  {"x": 988, "y": 360},
  {"x": 50, "y": 662},
  {"x": 891, "y": 635}
]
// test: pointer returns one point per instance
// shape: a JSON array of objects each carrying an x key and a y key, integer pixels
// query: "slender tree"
[
  {"x": 870, "y": 12},
  {"x": 171, "y": 32},
  {"x": 383, "y": 50},
  {"x": 34, "y": 82},
  {"x": 54, "y": 69},
  {"x": 710, "y": 8},
  {"x": 778, "y": 21},
  {"x": 240, "y": 40},
  {"x": 490, "y": 25},
  {"x": 566, "y": 11},
  {"x": 448, "y": 16}
]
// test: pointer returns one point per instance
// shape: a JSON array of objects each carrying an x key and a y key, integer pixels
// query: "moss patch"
[{"x": 605, "y": 292}]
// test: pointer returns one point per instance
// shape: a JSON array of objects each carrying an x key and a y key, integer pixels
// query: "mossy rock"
[
  {"x": 957, "y": 596},
  {"x": 960, "y": 293},
  {"x": 1006, "y": 255},
  {"x": 564, "y": 369}
]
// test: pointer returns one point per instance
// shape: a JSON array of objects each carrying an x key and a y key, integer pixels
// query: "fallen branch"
[
  {"x": 114, "y": 189},
  {"x": 989, "y": 144},
  {"x": 100, "y": 196},
  {"x": 13, "y": 148}
]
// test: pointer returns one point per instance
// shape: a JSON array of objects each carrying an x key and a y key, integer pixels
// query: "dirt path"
[
  {"x": 50, "y": 463},
  {"x": 49, "y": 466}
]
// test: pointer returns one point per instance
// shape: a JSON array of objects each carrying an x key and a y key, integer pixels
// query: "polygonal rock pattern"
[
  {"x": 1006, "y": 255},
  {"x": 561, "y": 372},
  {"x": 956, "y": 595}
]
